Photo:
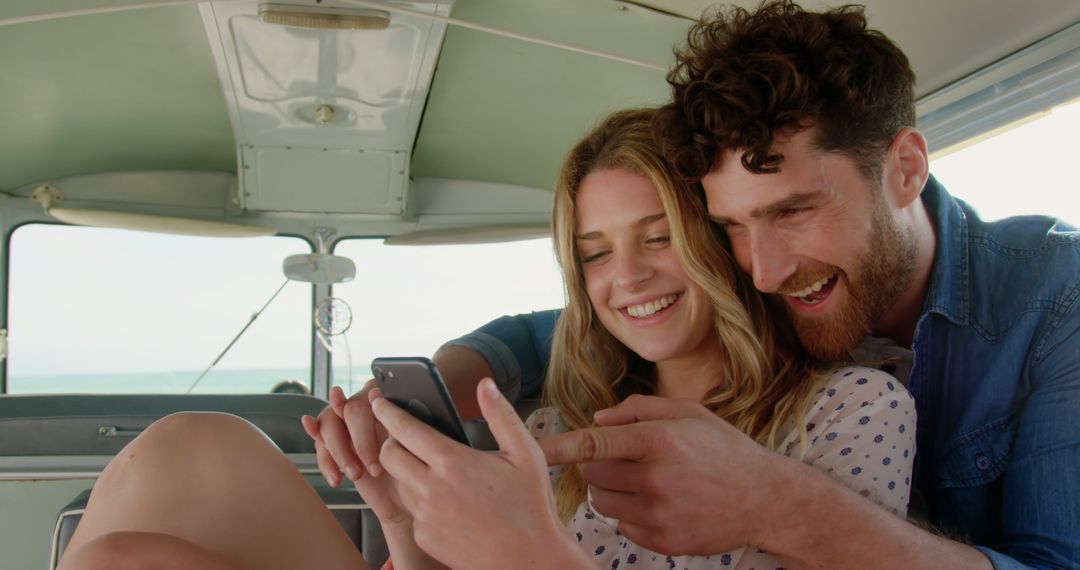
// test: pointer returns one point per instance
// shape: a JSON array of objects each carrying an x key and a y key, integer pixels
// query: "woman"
[{"x": 655, "y": 307}]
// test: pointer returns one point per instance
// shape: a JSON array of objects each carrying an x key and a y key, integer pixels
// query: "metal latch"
[{"x": 113, "y": 431}]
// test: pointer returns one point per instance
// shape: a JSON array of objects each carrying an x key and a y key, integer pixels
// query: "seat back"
[{"x": 92, "y": 424}]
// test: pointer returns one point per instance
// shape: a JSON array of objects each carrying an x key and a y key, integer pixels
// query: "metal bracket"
[
  {"x": 46, "y": 195},
  {"x": 322, "y": 238}
]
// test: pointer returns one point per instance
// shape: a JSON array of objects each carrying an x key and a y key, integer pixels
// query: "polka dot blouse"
[{"x": 861, "y": 429}]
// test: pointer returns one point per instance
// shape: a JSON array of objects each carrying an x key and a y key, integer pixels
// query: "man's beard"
[{"x": 881, "y": 274}]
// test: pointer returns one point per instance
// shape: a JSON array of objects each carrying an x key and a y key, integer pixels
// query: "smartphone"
[{"x": 414, "y": 384}]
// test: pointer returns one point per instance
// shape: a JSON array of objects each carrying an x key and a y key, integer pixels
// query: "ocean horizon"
[{"x": 248, "y": 381}]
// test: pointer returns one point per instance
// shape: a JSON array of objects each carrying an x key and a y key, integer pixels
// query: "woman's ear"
[{"x": 907, "y": 168}]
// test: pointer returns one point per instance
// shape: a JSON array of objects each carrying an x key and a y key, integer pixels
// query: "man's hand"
[
  {"x": 679, "y": 479},
  {"x": 473, "y": 509}
]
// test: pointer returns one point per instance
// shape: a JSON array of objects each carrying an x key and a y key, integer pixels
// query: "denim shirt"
[{"x": 996, "y": 380}]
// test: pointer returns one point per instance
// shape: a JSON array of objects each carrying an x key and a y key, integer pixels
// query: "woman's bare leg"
[
  {"x": 131, "y": 550},
  {"x": 207, "y": 490}
]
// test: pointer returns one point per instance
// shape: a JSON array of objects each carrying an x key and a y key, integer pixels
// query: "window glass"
[
  {"x": 407, "y": 300},
  {"x": 1027, "y": 168},
  {"x": 115, "y": 311}
]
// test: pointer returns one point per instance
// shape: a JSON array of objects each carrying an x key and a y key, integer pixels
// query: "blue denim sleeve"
[
  {"x": 517, "y": 348},
  {"x": 1041, "y": 493}
]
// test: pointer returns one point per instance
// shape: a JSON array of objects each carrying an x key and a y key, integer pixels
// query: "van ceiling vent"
[{"x": 324, "y": 118}]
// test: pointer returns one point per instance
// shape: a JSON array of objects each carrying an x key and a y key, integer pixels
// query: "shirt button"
[{"x": 982, "y": 462}]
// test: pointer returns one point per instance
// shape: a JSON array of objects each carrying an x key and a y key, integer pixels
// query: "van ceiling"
[
  {"x": 138, "y": 90},
  {"x": 945, "y": 40}
]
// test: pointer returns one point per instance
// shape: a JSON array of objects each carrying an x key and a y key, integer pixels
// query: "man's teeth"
[
  {"x": 814, "y": 288},
  {"x": 650, "y": 308}
]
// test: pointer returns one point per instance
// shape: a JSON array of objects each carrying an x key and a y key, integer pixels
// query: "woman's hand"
[
  {"x": 472, "y": 509},
  {"x": 347, "y": 437},
  {"x": 337, "y": 434},
  {"x": 346, "y": 430}
]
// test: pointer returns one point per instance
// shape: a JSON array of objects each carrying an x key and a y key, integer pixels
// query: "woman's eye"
[
  {"x": 659, "y": 239},
  {"x": 591, "y": 257}
]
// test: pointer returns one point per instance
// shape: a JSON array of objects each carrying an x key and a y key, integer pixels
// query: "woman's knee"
[
  {"x": 178, "y": 442},
  {"x": 201, "y": 433},
  {"x": 201, "y": 427}
]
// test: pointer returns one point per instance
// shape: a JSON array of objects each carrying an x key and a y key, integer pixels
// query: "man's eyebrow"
[
  {"x": 642, "y": 222},
  {"x": 793, "y": 201}
]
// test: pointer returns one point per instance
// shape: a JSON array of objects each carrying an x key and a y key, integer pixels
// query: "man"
[{"x": 800, "y": 127}]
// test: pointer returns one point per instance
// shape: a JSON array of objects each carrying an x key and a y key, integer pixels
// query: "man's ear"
[{"x": 907, "y": 168}]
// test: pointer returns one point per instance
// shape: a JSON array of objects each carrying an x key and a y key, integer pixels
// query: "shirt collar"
[{"x": 948, "y": 293}]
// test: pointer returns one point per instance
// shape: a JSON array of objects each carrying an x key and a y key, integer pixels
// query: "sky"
[
  {"x": 87, "y": 300},
  {"x": 1030, "y": 169}
]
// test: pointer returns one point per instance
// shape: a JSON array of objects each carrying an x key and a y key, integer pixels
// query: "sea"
[{"x": 179, "y": 382}]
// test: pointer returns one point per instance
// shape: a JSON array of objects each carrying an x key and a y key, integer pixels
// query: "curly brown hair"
[{"x": 745, "y": 76}]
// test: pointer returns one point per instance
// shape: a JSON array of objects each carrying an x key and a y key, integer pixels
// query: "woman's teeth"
[
  {"x": 650, "y": 308},
  {"x": 814, "y": 288}
]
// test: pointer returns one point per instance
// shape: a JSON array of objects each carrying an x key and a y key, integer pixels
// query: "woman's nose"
[{"x": 631, "y": 270}]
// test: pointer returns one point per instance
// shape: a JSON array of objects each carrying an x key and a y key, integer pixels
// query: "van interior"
[{"x": 235, "y": 205}]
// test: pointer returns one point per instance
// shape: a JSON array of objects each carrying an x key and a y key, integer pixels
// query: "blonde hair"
[{"x": 767, "y": 378}]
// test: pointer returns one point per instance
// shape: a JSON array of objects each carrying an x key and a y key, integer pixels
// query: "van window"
[
  {"x": 94, "y": 310},
  {"x": 1024, "y": 168},
  {"x": 407, "y": 300}
]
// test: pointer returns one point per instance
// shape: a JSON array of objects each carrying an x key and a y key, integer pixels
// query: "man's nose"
[{"x": 771, "y": 262}]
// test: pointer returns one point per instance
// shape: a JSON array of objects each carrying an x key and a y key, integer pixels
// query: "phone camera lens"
[{"x": 379, "y": 374}]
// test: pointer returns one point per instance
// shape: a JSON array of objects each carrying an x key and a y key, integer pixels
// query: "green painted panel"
[
  {"x": 138, "y": 90},
  {"x": 23, "y": 8},
  {"x": 27, "y": 516},
  {"x": 506, "y": 111},
  {"x": 114, "y": 92}
]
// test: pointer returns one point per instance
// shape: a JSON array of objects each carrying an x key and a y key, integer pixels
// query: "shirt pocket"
[{"x": 978, "y": 456}]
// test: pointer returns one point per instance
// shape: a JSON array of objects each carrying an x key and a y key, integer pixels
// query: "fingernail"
[
  {"x": 375, "y": 469},
  {"x": 489, "y": 385},
  {"x": 352, "y": 472}
]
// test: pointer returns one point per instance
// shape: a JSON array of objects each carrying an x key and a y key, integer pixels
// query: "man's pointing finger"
[{"x": 631, "y": 442}]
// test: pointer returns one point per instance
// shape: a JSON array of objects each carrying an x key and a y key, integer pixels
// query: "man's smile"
[{"x": 814, "y": 293}]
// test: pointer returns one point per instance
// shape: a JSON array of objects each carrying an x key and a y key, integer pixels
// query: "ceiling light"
[{"x": 324, "y": 18}]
